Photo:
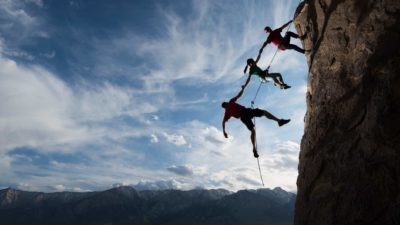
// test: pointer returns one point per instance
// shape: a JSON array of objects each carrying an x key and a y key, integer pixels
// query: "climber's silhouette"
[
  {"x": 245, "y": 115},
  {"x": 282, "y": 43},
  {"x": 263, "y": 74}
]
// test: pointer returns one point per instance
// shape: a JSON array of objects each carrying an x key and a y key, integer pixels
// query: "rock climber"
[
  {"x": 263, "y": 74},
  {"x": 282, "y": 43},
  {"x": 233, "y": 109}
]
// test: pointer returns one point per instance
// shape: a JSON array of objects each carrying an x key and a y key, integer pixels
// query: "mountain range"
[{"x": 125, "y": 205}]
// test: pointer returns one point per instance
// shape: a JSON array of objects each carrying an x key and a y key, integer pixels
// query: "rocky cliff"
[{"x": 349, "y": 171}]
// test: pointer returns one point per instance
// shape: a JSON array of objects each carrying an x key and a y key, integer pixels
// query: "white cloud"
[
  {"x": 19, "y": 54},
  {"x": 248, "y": 181},
  {"x": 107, "y": 101},
  {"x": 25, "y": 187},
  {"x": 204, "y": 136},
  {"x": 59, "y": 188},
  {"x": 62, "y": 188},
  {"x": 18, "y": 22},
  {"x": 100, "y": 168},
  {"x": 284, "y": 157},
  {"x": 40, "y": 110},
  {"x": 230, "y": 163},
  {"x": 153, "y": 138},
  {"x": 78, "y": 189},
  {"x": 175, "y": 139},
  {"x": 160, "y": 185},
  {"x": 14, "y": 11},
  {"x": 33, "y": 107},
  {"x": 5, "y": 167}
]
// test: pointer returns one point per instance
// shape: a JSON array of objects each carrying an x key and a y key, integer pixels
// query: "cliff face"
[{"x": 349, "y": 171}]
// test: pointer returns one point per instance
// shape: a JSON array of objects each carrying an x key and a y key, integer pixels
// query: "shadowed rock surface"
[
  {"x": 349, "y": 171},
  {"x": 125, "y": 205}
]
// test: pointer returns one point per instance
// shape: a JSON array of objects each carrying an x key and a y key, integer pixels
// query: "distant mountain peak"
[
  {"x": 8, "y": 196},
  {"x": 279, "y": 189},
  {"x": 124, "y": 189}
]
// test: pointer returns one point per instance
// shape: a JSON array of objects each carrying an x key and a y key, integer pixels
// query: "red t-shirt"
[
  {"x": 275, "y": 37},
  {"x": 232, "y": 109}
]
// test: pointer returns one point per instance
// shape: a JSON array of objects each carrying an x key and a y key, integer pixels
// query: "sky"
[{"x": 97, "y": 94}]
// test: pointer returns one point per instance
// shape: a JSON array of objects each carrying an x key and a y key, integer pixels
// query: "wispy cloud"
[
  {"x": 38, "y": 3},
  {"x": 175, "y": 139},
  {"x": 19, "y": 25},
  {"x": 40, "y": 110},
  {"x": 153, "y": 138},
  {"x": 13, "y": 12},
  {"x": 49, "y": 55},
  {"x": 208, "y": 47}
]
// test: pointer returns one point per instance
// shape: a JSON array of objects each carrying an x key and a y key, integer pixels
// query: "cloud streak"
[
  {"x": 39, "y": 109},
  {"x": 184, "y": 170}
]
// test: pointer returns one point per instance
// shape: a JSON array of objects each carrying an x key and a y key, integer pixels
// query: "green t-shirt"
[{"x": 255, "y": 70}]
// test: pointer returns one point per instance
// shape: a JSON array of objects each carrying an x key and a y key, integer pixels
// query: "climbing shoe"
[
  {"x": 282, "y": 122},
  {"x": 255, "y": 154}
]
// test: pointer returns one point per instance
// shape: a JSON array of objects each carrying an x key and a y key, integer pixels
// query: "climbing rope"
[
  {"x": 270, "y": 63},
  {"x": 255, "y": 137},
  {"x": 259, "y": 170},
  {"x": 258, "y": 89},
  {"x": 252, "y": 107}
]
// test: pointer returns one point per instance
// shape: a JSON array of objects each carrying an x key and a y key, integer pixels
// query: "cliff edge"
[{"x": 349, "y": 170}]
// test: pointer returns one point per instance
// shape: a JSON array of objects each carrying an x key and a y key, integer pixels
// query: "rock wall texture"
[{"x": 349, "y": 171}]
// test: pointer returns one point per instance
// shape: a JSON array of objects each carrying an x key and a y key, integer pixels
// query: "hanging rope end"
[{"x": 259, "y": 169}]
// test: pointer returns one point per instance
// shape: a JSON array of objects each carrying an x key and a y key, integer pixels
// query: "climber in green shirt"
[{"x": 264, "y": 74}]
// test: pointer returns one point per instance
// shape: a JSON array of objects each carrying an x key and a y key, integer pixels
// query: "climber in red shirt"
[
  {"x": 282, "y": 43},
  {"x": 233, "y": 109}
]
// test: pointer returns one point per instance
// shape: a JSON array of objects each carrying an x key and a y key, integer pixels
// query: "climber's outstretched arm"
[
  {"x": 223, "y": 128},
  {"x": 239, "y": 94},
  {"x": 262, "y": 49},
  {"x": 247, "y": 81},
  {"x": 258, "y": 58},
  {"x": 285, "y": 25}
]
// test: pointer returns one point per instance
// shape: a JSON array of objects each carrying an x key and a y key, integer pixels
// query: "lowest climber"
[
  {"x": 233, "y": 109},
  {"x": 282, "y": 43},
  {"x": 263, "y": 74}
]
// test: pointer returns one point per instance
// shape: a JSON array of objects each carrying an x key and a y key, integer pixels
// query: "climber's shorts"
[{"x": 248, "y": 114}]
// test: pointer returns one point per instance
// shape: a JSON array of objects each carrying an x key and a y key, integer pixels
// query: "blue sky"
[{"x": 95, "y": 94}]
